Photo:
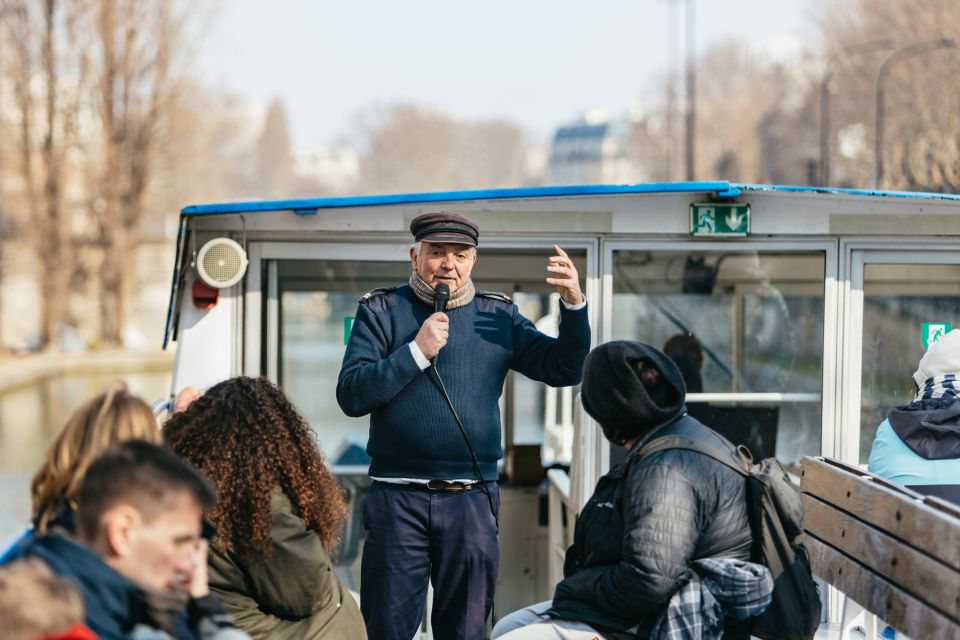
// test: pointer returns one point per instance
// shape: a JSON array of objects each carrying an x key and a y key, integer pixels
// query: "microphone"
[{"x": 441, "y": 296}]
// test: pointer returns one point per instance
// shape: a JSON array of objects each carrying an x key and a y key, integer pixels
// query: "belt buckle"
[{"x": 446, "y": 486}]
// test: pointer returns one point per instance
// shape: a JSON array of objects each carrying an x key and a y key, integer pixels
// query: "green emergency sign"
[
  {"x": 931, "y": 332},
  {"x": 719, "y": 220},
  {"x": 347, "y": 328}
]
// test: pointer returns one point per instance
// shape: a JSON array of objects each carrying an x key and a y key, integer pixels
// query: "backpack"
[{"x": 776, "y": 519}]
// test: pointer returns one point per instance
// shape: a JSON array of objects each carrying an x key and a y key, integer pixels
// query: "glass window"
[
  {"x": 897, "y": 300},
  {"x": 737, "y": 322},
  {"x": 542, "y": 414},
  {"x": 532, "y": 412},
  {"x": 318, "y": 298}
]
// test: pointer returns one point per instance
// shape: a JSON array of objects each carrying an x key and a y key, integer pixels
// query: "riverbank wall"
[{"x": 18, "y": 372}]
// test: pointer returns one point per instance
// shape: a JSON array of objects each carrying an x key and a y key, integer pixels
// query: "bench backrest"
[{"x": 893, "y": 551}]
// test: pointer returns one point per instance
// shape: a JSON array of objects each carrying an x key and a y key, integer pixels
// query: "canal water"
[{"x": 31, "y": 417}]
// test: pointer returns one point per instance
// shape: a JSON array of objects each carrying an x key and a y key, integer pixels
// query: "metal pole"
[
  {"x": 892, "y": 59},
  {"x": 825, "y": 80},
  {"x": 671, "y": 82},
  {"x": 691, "y": 95}
]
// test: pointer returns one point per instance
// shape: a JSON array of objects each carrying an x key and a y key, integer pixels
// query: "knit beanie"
[
  {"x": 941, "y": 358},
  {"x": 614, "y": 394}
]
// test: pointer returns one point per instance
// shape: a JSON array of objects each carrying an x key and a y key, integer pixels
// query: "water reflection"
[{"x": 30, "y": 417}]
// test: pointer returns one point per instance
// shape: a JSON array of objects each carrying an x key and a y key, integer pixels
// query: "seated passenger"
[
  {"x": 918, "y": 445},
  {"x": 686, "y": 351},
  {"x": 651, "y": 519},
  {"x": 111, "y": 417},
  {"x": 279, "y": 515},
  {"x": 138, "y": 557}
]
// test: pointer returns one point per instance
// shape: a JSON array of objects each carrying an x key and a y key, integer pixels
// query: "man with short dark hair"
[
  {"x": 139, "y": 557},
  {"x": 431, "y": 511}
]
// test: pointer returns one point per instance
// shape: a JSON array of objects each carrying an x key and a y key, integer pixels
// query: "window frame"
[
  {"x": 858, "y": 253},
  {"x": 831, "y": 307}
]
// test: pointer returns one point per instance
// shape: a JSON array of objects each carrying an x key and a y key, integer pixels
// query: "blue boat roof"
[{"x": 720, "y": 188}]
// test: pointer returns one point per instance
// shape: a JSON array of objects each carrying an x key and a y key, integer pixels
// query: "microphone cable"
[
  {"x": 441, "y": 296},
  {"x": 473, "y": 453}
]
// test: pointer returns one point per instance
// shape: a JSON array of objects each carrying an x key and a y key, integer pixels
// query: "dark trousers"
[{"x": 413, "y": 536}]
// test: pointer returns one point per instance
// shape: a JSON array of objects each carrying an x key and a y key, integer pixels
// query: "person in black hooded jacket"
[{"x": 650, "y": 516}]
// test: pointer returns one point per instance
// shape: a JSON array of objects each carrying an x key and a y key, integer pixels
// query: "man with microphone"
[{"x": 429, "y": 369}]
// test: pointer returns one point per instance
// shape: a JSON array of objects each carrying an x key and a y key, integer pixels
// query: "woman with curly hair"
[{"x": 278, "y": 515}]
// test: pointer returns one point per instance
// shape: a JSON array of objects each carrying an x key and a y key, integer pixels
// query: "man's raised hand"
[{"x": 567, "y": 279}]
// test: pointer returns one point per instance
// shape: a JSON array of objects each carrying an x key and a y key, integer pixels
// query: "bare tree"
[
  {"x": 408, "y": 148},
  {"x": 275, "y": 174},
  {"x": 920, "y": 128},
  {"x": 138, "y": 81},
  {"x": 101, "y": 144},
  {"x": 38, "y": 34}
]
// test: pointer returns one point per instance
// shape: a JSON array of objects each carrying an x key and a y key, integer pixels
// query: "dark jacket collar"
[
  {"x": 930, "y": 428},
  {"x": 112, "y": 603}
]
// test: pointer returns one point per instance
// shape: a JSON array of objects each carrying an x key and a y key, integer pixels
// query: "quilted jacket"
[{"x": 646, "y": 521}]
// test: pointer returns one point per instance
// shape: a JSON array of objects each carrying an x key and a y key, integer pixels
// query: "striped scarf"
[
  {"x": 459, "y": 298},
  {"x": 945, "y": 386}
]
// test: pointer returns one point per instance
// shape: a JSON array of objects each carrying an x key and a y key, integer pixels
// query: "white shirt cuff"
[
  {"x": 574, "y": 307},
  {"x": 418, "y": 356}
]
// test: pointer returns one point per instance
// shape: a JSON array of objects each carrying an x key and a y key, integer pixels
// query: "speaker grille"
[{"x": 222, "y": 262}]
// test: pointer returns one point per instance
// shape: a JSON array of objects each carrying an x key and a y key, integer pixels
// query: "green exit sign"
[{"x": 719, "y": 220}]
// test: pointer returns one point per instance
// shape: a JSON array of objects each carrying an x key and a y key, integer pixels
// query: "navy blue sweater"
[{"x": 413, "y": 433}]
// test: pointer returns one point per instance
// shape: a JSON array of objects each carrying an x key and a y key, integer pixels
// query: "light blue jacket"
[{"x": 890, "y": 458}]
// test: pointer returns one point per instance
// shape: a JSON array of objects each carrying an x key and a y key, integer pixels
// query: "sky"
[{"x": 535, "y": 62}]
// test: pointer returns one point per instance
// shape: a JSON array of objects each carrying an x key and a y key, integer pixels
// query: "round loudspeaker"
[{"x": 221, "y": 263}]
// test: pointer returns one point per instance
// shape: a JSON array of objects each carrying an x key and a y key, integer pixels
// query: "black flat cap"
[{"x": 445, "y": 226}]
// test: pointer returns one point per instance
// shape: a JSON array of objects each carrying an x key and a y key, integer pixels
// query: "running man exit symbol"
[
  {"x": 719, "y": 220},
  {"x": 931, "y": 332},
  {"x": 705, "y": 224}
]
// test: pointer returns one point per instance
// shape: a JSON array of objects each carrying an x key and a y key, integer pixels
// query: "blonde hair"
[
  {"x": 34, "y": 602},
  {"x": 113, "y": 416}
]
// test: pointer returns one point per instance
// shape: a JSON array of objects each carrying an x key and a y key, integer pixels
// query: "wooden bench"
[{"x": 893, "y": 551}]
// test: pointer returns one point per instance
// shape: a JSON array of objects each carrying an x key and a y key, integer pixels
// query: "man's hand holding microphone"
[{"x": 435, "y": 330}]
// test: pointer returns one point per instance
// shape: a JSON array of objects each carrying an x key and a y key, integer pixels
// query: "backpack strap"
[{"x": 680, "y": 442}]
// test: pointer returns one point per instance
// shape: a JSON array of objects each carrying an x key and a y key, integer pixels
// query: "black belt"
[{"x": 434, "y": 486}]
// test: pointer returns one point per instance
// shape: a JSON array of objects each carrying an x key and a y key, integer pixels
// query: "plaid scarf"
[
  {"x": 459, "y": 298},
  {"x": 945, "y": 386},
  {"x": 718, "y": 588}
]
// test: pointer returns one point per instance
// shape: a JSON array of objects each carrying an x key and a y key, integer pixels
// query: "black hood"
[
  {"x": 613, "y": 393},
  {"x": 931, "y": 427}
]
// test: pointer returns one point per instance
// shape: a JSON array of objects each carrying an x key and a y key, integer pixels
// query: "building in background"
[
  {"x": 593, "y": 149},
  {"x": 333, "y": 171}
]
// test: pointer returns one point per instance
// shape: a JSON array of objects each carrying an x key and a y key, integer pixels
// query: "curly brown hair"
[{"x": 248, "y": 439}]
